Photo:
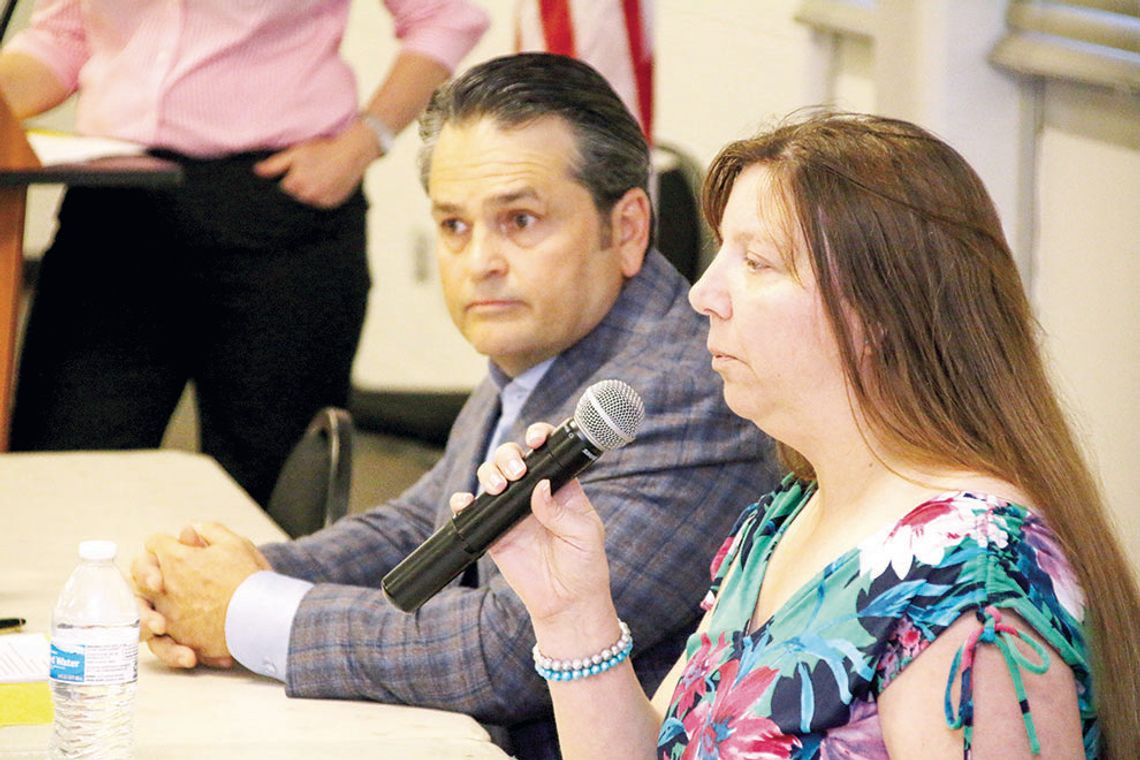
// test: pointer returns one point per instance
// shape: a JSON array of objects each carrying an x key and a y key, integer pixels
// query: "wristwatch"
[{"x": 385, "y": 139}]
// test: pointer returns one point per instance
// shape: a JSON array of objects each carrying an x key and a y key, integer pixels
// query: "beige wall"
[
  {"x": 735, "y": 67},
  {"x": 1086, "y": 284},
  {"x": 1063, "y": 162}
]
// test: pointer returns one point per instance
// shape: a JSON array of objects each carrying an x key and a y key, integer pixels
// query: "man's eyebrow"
[
  {"x": 506, "y": 199},
  {"x": 502, "y": 199},
  {"x": 444, "y": 208}
]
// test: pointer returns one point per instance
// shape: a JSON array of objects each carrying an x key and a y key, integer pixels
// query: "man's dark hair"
[{"x": 517, "y": 90}]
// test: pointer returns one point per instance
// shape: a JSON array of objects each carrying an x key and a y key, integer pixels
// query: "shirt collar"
[{"x": 525, "y": 381}]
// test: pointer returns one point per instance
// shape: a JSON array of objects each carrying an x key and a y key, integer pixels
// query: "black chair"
[
  {"x": 312, "y": 489},
  {"x": 682, "y": 235}
]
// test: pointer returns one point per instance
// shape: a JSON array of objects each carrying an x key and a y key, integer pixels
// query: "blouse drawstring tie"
[{"x": 993, "y": 631}]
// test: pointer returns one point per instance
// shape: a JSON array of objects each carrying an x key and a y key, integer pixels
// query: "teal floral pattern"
[{"x": 804, "y": 684}]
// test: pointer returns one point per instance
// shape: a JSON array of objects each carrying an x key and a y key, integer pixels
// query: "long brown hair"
[{"x": 902, "y": 234}]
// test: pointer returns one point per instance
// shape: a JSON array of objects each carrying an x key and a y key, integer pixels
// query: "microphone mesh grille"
[{"x": 609, "y": 414}]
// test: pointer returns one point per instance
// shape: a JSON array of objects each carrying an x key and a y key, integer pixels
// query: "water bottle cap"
[{"x": 97, "y": 551}]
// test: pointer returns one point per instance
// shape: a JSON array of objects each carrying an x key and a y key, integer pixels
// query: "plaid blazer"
[{"x": 668, "y": 500}]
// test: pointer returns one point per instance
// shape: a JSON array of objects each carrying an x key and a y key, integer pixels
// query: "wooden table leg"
[{"x": 12, "y": 203}]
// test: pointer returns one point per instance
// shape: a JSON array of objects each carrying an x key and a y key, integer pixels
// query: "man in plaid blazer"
[{"x": 537, "y": 177}]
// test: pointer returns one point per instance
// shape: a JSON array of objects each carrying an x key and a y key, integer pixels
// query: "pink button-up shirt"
[{"x": 211, "y": 77}]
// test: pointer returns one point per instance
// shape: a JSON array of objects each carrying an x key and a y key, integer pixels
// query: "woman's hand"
[
  {"x": 324, "y": 171},
  {"x": 554, "y": 559}
]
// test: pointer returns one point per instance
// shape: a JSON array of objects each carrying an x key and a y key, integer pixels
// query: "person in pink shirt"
[{"x": 250, "y": 279}]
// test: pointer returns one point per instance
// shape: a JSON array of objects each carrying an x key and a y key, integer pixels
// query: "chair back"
[
  {"x": 313, "y": 487},
  {"x": 682, "y": 235}
]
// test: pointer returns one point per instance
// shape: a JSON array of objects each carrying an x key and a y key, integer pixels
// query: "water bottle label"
[{"x": 95, "y": 656}]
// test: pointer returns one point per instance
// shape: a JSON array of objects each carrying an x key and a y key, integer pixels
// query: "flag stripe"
[
  {"x": 642, "y": 61},
  {"x": 613, "y": 36},
  {"x": 557, "y": 27}
]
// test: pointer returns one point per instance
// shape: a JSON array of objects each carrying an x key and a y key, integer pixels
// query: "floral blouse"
[{"x": 804, "y": 684}]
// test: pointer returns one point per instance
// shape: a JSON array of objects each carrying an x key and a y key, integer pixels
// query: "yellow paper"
[{"x": 24, "y": 704}]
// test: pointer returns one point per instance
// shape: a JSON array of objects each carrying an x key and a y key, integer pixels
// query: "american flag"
[{"x": 613, "y": 36}]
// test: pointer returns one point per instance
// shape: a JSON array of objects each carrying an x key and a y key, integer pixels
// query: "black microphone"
[{"x": 607, "y": 417}]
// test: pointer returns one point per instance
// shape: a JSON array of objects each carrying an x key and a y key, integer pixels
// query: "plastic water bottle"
[{"x": 94, "y": 659}]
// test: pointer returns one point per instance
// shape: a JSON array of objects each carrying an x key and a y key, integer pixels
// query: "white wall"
[
  {"x": 1086, "y": 285},
  {"x": 735, "y": 67},
  {"x": 1062, "y": 162},
  {"x": 1063, "y": 165},
  {"x": 409, "y": 341},
  {"x": 724, "y": 69}
]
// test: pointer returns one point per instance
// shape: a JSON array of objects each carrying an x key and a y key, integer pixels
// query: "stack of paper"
[
  {"x": 61, "y": 148},
  {"x": 25, "y": 697}
]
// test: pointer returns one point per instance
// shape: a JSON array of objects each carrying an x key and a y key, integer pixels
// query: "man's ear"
[{"x": 629, "y": 224}]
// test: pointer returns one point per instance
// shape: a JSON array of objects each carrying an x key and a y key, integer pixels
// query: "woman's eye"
[
  {"x": 754, "y": 264},
  {"x": 521, "y": 221}
]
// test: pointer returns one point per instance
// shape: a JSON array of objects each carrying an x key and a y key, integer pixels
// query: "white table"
[{"x": 51, "y": 502}]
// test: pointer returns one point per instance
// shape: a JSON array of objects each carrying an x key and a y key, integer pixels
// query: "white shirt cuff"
[{"x": 259, "y": 620}]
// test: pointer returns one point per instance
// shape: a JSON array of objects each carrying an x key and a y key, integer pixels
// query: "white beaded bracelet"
[
  {"x": 572, "y": 670},
  {"x": 385, "y": 138}
]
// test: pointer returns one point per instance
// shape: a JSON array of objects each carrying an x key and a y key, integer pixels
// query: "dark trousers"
[{"x": 225, "y": 281}]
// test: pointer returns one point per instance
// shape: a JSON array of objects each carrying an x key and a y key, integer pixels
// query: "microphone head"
[{"x": 609, "y": 414}]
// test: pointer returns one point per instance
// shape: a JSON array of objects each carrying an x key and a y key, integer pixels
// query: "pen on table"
[{"x": 11, "y": 624}]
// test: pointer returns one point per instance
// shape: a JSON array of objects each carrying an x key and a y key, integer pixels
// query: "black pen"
[{"x": 13, "y": 624}]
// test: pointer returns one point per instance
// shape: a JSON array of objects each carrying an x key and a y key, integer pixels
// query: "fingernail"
[
  {"x": 515, "y": 468},
  {"x": 497, "y": 481}
]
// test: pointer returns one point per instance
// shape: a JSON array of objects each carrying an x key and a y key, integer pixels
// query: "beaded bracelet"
[{"x": 572, "y": 670}]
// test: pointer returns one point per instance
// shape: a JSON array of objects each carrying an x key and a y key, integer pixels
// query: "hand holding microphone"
[{"x": 607, "y": 417}]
